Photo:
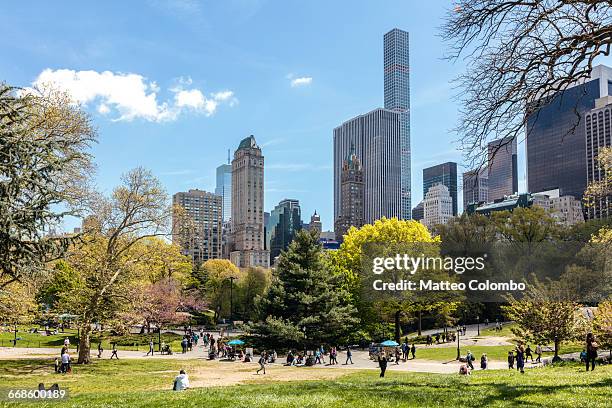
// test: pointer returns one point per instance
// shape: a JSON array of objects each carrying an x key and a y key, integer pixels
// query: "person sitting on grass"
[
  {"x": 464, "y": 370},
  {"x": 181, "y": 381}
]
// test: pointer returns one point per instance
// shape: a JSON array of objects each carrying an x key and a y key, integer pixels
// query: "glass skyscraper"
[
  {"x": 445, "y": 174},
  {"x": 282, "y": 226},
  {"x": 397, "y": 98},
  {"x": 556, "y": 140},
  {"x": 502, "y": 168},
  {"x": 224, "y": 189}
]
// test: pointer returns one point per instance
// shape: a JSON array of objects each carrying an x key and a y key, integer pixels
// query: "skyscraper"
[
  {"x": 351, "y": 195},
  {"x": 224, "y": 189},
  {"x": 418, "y": 212},
  {"x": 555, "y": 136},
  {"x": 475, "y": 187},
  {"x": 502, "y": 168},
  {"x": 247, "y": 233},
  {"x": 315, "y": 223},
  {"x": 284, "y": 223},
  {"x": 397, "y": 98},
  {"x": 373, "y": 139},
  {"x": 198, "y": 233},
  {"x": 446, "y": 174},
  {"x": 598, "y": 135},
  {"x": 438, "y": 206}
]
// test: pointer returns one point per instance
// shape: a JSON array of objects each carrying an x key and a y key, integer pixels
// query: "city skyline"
[{"x": 174, "y": 100}]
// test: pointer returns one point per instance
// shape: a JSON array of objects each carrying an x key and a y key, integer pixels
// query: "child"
[
  {"x": 56, "y": 365},
  {"x": 511, "y": 360}
]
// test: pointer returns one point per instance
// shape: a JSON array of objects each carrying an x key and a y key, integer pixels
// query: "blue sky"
[{"x": 204, "y": 75}]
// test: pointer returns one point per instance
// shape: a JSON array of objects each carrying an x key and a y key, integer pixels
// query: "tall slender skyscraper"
[
  {"x": 598, "y": 131},
  {"x": 475, "y": 187},
  {"x": 397, "y": 98},
  {"x": 351, "y": 194},
  {"x": 446, "y": 174},
  {"x": 247, "y": 235},
  {"x": 224, "y": 189},
  {"x": 503, "y": 169}
]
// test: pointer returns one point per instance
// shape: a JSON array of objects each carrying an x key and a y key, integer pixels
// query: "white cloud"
[
  {"x": 299, "y": 81},
  {"x": 130, "y": 95}
]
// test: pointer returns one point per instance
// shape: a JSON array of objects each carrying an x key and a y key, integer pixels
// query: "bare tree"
[
  {"x": 520, "y": 53},
  {"x": 108, "y": 260}
]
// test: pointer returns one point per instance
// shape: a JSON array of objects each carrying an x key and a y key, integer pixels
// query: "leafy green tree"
[
  {"x": 542, "y": 316},
  {"x": 602, "y": 325},
  {"x": 305, "y": 304},
  {"x": 44, "y": 169},
  {"x": 213, "y": 279}
]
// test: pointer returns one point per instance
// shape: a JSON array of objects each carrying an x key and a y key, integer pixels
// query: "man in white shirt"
[
  {"x": 65, "y": 362},
  {"x": 181, "y": 382}
]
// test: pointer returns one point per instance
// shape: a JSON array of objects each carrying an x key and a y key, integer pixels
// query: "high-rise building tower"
[
  {"x": 351, "y": 196},
  {"x": 598, "y": 132},
  {"x": 445, "y": 173},
  {"x": 555, "y": 136},
  {"x": 284, "y": 223},
  {"x": 475, "y": 187},
  {"x": 198, "y": 232},
  {"x": 315, "y": 223},
  {"x": 247, "y": 231},
  {"x": 224, "y": 189},
  {"x": 373, "y": 139},
  {"x": 397, "y": 98},
  {"x": 503, "y": 169},
  {"x": 438, "y": 206}
]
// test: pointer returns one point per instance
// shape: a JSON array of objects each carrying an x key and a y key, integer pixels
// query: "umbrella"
[
  {"x": 235, "y": 342},
  {"x": 389, "y": 343}
]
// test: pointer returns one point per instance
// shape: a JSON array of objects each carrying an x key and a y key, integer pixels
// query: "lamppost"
[
  {"x": 231, "y": 279},
  {"x": 478, "y": 324},
  {"x": 458, "y": 347}
]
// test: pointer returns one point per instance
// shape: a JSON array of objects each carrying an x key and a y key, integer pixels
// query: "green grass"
[
  {"x": 145, "y": 383},
  {"x": 124, "y": 342},
  {"x": 489, "y": 330},
  {"x": 499, "y": 353}
]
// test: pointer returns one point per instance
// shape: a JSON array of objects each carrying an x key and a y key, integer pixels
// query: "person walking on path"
[
  {"x": 184, "y": 344},
  {"x": 397, "y": 355},
  {"x": 511, "y": 360},
  {"x": 528, "y": 353},
  {"x": 262, "y": 363},
  {"x": 100, "y": 349},
  {"x": 591, "y": 350},
  {"x": 468, "y": 359},
  {"x": 520, "y": 358},
  {"x": 349, "y": 356},
  {"x": 114, "y": 352},
  {"x": 413, "y": 351},
  {"x": 538, "y": 352},
  {"x": 382, "y": 363},
  {"x": 150, "y": 347}
]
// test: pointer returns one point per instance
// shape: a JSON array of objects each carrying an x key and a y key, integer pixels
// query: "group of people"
[{"x": 521, "y": 354}]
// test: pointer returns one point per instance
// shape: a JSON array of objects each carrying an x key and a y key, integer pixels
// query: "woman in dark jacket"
[{"x": 382, "y": 363}]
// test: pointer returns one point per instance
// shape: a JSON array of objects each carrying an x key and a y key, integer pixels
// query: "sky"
[{"x": 172, "y": 85}]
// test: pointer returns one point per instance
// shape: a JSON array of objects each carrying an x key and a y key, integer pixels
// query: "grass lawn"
[
  {"x": 489, "y": 330},
  {"x": 125, "y": 342},
  {"x": 499, "y": 353},
  {"x": 146, "y": 383}
]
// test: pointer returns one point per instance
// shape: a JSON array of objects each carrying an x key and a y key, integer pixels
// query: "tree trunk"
[
  {"x": 419, "y": 330},
  {"x": 556, "y": 349},
  {"x": 397, "y": 325},
  {"x": 84, "y": 345}
]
